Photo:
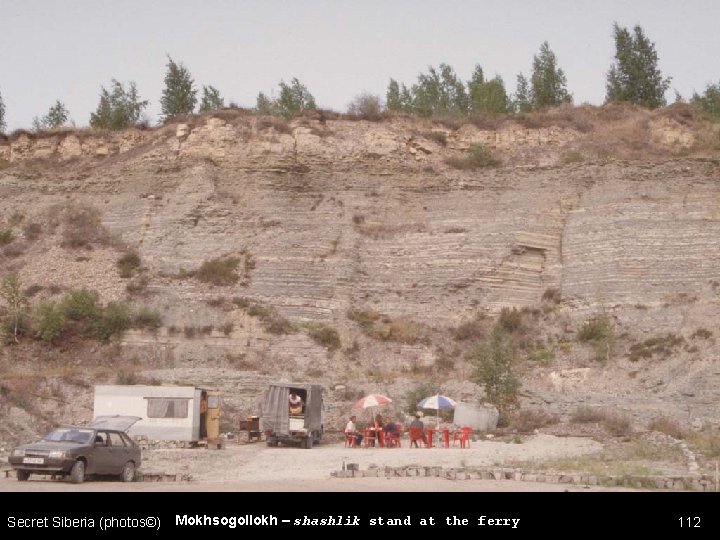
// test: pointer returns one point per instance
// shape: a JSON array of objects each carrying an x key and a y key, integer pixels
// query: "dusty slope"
[{"x": 330, "y": 217}]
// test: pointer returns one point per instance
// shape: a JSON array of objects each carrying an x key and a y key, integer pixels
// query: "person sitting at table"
[
  {"x": 418, "y": 424},
  {"x": 392, "y": 433},
  {"x": 378, "y": 424},
  {"x": 351, "y": 430}
]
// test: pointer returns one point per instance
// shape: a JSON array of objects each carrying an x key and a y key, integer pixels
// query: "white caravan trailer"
[{"x": 167, "y": 413}]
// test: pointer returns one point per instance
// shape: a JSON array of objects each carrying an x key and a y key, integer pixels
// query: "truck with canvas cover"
[{"x": 293, "y": 414}]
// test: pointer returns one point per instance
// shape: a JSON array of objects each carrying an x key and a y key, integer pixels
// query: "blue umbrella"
[{"x": 437, "y": 402}]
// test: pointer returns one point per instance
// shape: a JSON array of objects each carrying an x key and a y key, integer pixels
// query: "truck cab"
[{"x": 293, "y": 413}]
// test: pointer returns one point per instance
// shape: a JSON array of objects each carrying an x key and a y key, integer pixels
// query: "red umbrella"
[{"x": 373, "y": 400}]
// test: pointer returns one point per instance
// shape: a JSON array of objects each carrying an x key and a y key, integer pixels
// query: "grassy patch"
[
  {"x": 510, "y": 319},
  {"x": 32, "y": 231},
  {"x": 325, "y": 335},
  {"x": 81, "y": 305},
  {"x": 587, "y": 415},
  {"x": 477, "y": 157},
  {"x": 437, "y": 136},
  {"x": 113, "y": 321},
  {"x": 6, "y": 236},
  {"x": 617, "y": 425},
  {"x": 126, "y": 377},
  {"x": 137, "y": 285},
  {"x": 707, "y": 441},
  {"x": 667, "y": 426},
  {"x": 574, "y": 156},
  {"x": 702, "y": 333},
  {"x": 596, "y": 329},
  {"x": 471, "y": 330},
  {"x": 147, "y": 318},
  {"x": 365, "y": 318},
  {"x": 272, "y": 321},
  {"x": 128, "y": 263},
  {"x": 552, "y": 295},
  {"x": 528, "y": 420},
  {"x": 221, "y": 271},
  {"x": 82, "y": 227},
  {"x": 599, "y": 332},
  {"x": 51, "y": 321},
  {"x": 400, "y": 331},
  {"x": 660, "y": 346}
]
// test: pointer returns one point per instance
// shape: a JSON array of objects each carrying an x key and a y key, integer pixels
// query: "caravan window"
[{"x": 167, "y": 407}]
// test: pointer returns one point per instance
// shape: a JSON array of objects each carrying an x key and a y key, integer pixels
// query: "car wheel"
[
  {"x": 128, "y": 472},
  {"x": 23, "y": 476},
  {"x": 77, "y": 473}
]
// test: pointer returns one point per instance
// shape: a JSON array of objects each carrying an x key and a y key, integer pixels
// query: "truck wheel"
[
  {"x": 128, "y": 472},
  {"x": 23, "y": 476},
  {"x": 77, "y": 473}
]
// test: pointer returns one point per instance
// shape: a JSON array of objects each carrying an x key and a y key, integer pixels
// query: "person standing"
[{"x": 351, "y": 430}]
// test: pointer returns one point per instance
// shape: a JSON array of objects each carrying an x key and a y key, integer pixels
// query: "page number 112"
[{"x": 689, "y": 522}]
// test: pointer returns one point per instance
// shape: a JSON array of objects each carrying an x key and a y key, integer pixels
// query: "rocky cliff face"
[{"x": 331, "y": 218}]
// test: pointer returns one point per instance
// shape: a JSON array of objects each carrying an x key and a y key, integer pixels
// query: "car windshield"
[{"x": 74, "y": 435}]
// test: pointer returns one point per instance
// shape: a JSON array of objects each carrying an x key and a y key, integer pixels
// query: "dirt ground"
[{"x": 255, "y": 467}]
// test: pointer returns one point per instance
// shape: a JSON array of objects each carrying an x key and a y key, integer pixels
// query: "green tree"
[
  {"x": 56, "y": 118},
  {"x": 398, "y": 98},
  {"x": 3, "y": 125},
  {"x": 634, "y": 75},
  {"x": 294, "y": 98},
  {"x": 487, "y": 97},
  {"x": 439, "y": 92},
  {"x": 118, "y": 108},
  {"x": 709, "y": 101},
  {"x": 211, "y": 99},
  {"x": 548, "y": 83},
  {"x": 15, "y": 309},
  {"x": 265, "y": 105},
  {"x": 495, "y": 369},
  {"x": 179, "y": 96},
  {"x": 51, "y": 321},
  {"x": 522, "y": 102},
  {"x": 392, "y": 97}
]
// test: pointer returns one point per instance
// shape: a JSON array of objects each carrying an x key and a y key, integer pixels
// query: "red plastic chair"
[
  {"x": 393, "y": 439},
  {"x": 463, "y": 436},
  {"x": 350, "y": 440},
  {"x": 417, "y": 435}
]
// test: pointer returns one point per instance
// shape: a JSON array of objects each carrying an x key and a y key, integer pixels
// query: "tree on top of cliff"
[
  {"x": 211, "y": 100},
  {"x": 179, "y": 96},
  {"x": 709, "y": 101},
  {"x": 294, "y": 98},
  {"x": 398, "y": 98},
  {"x": 439, "y": 91},
  {"x": 118, "y": 109},
  {"x": 548, "y": 86},
  {"x": 521, "y": 100},
  {"x": 56, "y": 117},
  {"x": 634, "y": 76},
  {"x": 487, "y": 97},
  {"x": 2, "y": 114}
]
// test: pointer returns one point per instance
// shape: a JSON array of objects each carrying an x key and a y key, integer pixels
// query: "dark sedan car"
[{"x": 103, "y": 447}]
